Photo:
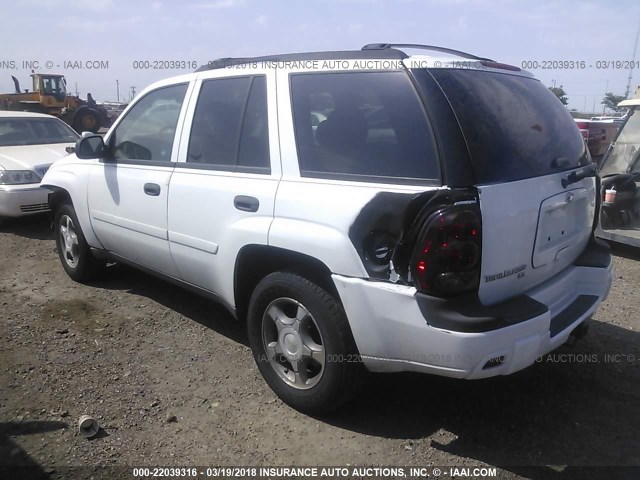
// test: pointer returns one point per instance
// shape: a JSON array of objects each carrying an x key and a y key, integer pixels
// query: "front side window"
[
  {"x": 362, "y": 126},
  {"x": 148, "y": 130},
  {"x": 230, "y": 129}
]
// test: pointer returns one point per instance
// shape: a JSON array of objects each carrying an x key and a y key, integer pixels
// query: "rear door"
[
  {"x": 223, "y": 189},
  {"x": 522, "y": 143}
]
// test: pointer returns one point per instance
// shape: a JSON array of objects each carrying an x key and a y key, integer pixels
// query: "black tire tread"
[{"x": 88, "y": 266}]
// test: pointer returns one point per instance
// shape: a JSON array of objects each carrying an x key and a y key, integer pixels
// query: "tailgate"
[
  {"x": 532, "y": 230},
  {"x": 522, "y": 144}
]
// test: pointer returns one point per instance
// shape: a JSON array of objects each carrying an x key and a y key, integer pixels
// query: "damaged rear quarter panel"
[{"x": 344, "y": 224}]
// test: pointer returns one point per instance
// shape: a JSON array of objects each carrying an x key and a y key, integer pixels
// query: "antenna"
[{"x": 635, "y": 49}]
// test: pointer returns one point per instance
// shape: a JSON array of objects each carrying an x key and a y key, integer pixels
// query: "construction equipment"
[{"x": 49, "y": 95}]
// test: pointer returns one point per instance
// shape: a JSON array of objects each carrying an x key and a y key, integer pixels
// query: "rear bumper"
[
  {"x": 19, "y": 200},
  {"x": 394, "y": 332}
]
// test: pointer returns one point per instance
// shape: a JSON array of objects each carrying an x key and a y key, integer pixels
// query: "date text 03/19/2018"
[{"x": 579, "y": 64}]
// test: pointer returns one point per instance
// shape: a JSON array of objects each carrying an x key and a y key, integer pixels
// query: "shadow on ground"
[
  {"x": 37, "y": 227},
  {"x": 199, "y": 309},
  {"x": 13, "y": 456}
]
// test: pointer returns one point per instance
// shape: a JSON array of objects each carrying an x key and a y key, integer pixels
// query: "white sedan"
[{"x": 29, "y": 144}]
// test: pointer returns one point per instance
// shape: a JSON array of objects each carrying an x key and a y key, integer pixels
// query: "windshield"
[
  {"x": 515, "y": 128},
  {"x": 53, "y": 85},
  {"x": 624, "y": 156},
  {"x": 34, "y": 131}
]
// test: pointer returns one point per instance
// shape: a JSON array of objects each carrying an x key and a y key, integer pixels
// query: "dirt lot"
[{"x": 135, "y": 352}]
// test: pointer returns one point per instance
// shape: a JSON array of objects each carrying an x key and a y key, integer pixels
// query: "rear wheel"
[
  {"x": 302, "y": 343},
  {"x": 73, "y": 250}
]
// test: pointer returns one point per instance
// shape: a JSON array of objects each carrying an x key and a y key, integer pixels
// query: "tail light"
[
  {"x": 447, "y": 257},
  {"x": 584, "y": 129}
]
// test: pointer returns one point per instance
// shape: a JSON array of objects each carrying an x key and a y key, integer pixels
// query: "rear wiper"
[{"x": 577, "y": 175}]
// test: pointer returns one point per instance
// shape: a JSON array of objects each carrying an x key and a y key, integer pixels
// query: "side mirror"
[
  {"x": 91, "y": 146},
  {"x": 86, "y": 134}
]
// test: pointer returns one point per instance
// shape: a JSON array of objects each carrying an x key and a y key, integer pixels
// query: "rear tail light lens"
[
  {"x": 584, "y": 129},
  {"x": 447, "y": 258}
]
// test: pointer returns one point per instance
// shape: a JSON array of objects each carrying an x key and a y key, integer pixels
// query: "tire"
[
  {"x": 86, "y": 119},
  {"x": 328, "y": 366},
  {"x": 75, "y": 255}
]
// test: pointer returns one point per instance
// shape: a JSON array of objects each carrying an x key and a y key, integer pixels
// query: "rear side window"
[
  {"x": 366, "y": 126},
  {"x": 229, "y": 129},
  {"x": 514, "y": 126}
]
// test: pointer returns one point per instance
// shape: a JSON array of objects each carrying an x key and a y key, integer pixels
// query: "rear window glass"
[
  {"x": 514, "y": 126},
  {"x": 34, "y": 131},
  {"x": 366, "y": 126}
]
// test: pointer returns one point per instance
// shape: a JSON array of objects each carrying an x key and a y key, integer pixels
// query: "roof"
[
  {"x": 632, "y": 102},
  {"x": 13, "y": 114}
]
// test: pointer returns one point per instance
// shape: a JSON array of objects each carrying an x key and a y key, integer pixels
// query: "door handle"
[
  {"x": 246, "y": 203},
  {"x": 152, "y": 189}
]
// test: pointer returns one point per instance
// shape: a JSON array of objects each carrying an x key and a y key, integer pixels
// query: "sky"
[{"x": 115, "y": 36}]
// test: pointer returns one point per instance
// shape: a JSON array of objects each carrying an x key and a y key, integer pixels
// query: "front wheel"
[
  {"x": 86, "y": 120},
  {"x": 302, "y": 343},
  {"x": 73, "y": 250}
]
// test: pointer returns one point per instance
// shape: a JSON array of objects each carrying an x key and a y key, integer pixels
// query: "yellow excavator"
[{"x": 49, "y": 95}]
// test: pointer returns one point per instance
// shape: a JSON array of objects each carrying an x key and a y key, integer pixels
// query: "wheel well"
[
  {"x": 58, "y": 197},
  {"x": 254, "y": 262}
]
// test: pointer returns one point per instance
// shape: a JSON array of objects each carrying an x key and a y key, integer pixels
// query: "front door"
[{"x": 128, "y": 191}]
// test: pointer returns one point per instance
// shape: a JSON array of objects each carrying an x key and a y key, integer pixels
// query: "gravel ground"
[{"x": 171, "y": 380}]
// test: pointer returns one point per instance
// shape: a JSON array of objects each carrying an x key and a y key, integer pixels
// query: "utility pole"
[
  {"x": 77, "y": 93},
  {"x": 606, "y": 90},
  {"x": 554, "y": 83},
  {"x": 132, "y": 95},
  {"x": 118, "y": 90},
  {"x": 635, "y": 49}
]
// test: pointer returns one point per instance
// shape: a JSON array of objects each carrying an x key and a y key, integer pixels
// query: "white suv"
[{"x": 362, "y": 210}]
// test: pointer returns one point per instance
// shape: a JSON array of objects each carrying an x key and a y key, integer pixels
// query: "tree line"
[{"x": 610, "y": 100}]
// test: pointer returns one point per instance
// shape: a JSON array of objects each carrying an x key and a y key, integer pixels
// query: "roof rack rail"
[
  {"x": 292, "y": 57},
  {"x": 386, "y": 46}
]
